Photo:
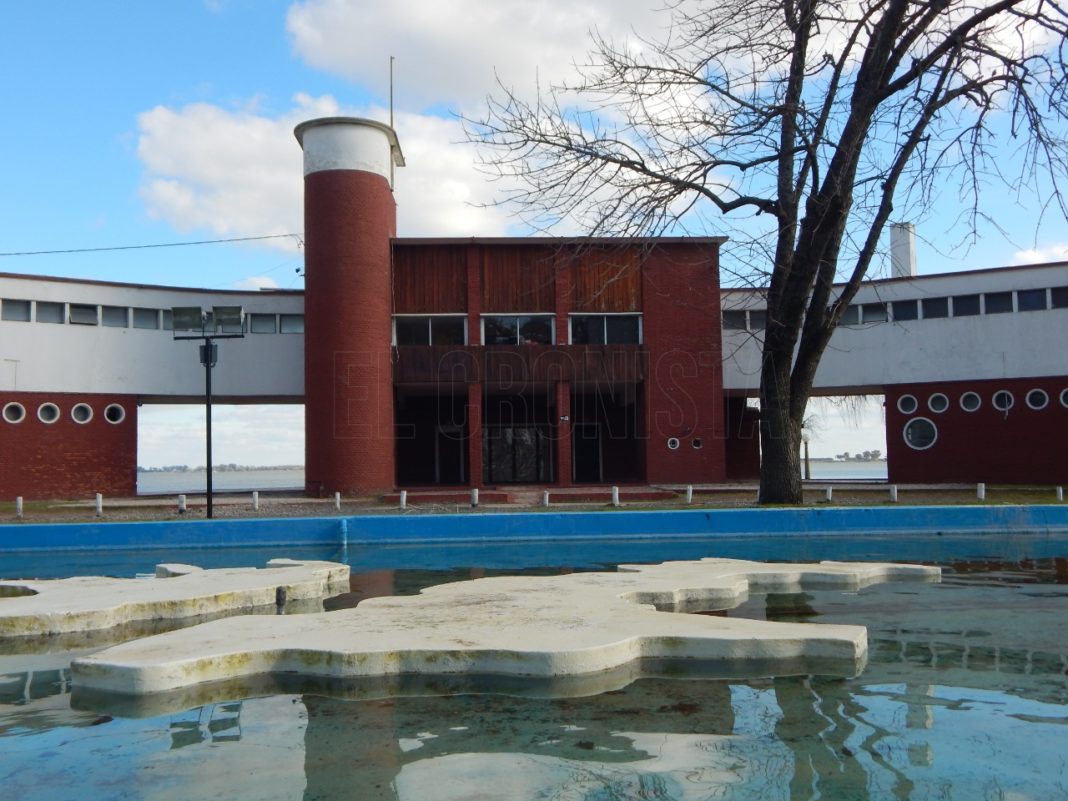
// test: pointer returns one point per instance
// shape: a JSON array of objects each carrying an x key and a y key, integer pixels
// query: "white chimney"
[{"x": 902, "y": 250}]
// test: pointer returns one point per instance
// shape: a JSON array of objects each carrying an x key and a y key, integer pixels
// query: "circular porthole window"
[
  {"x": 81, "y": 413},
  {"x": 970, "y": 401},
  {"x": 1064, "y": 397},
  {"x": 938, "y": 403},
  {"x": 907, "y": 404},
  {"x": 114, "y": 413},
  {"x": 48, "y": 413},
  {"x": 1037, "y": 399},
  {"x": 673, "y": 443},
  {"x": 697, "y": 443},
  {"x": 920, "y": 433},
  {"x": 14, "y": 412},
  {"x": 1003, "y": 400}
]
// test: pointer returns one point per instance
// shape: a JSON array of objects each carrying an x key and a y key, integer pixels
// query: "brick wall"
[
  {"x": 66, "y": 458},
  {"x": 684, "y": 386},
  {"x": 1019, "y": 446}
]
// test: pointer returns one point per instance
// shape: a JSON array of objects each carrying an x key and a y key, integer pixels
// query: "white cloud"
[
  {"x": 256, "y": 282},
  {"x": 1049, "y": 253},
  {"x": 448, "y": 51},
  {"x": 238, "y": 173}
]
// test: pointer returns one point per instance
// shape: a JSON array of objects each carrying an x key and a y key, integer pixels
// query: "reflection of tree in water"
[{"x": 819, "y": 718}]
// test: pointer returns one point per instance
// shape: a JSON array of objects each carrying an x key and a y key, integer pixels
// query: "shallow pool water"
[{"x": 965, "y": 696}]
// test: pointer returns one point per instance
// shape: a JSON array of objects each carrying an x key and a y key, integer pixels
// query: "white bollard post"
[
  {"x": 615, "y": 496},
  {"x": 893, "y": 493},
  {"x": 99, "y": 504},
  {"x": 689, "y": 493},
  {"x": 1060, "y": 494},
  {"x": 545, "y": 498},
  {"x": 337, "y": 501},
  {"x": 404, "y": 499},
  {"x": 181, "y": 504},
  {"x": 980, "y": 491},
  {"x": 255, "y": 500},
  {"x": 830, "y": 494},
  {"x": 18, "y": 507},
  {"x": 474, "y": 496}
]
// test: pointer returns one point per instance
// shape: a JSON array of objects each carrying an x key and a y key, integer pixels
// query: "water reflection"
[{"x": 965, "y": 696}]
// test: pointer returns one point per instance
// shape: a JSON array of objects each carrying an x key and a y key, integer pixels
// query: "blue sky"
[{"x": 135, "y": 123}]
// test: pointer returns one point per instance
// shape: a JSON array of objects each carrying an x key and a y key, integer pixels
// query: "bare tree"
[{"x": 799, "y": 123}]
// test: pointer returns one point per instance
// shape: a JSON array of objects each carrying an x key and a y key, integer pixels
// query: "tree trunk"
[
  {"x": 780, "y": 442},
  {"x": 780, "y": 464}
]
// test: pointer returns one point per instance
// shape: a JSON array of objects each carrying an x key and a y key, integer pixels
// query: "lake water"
[
  {"x": 965, "y": 697},
  {"x": 870, "y": 471},
  {"x": 160, "y": 483}
]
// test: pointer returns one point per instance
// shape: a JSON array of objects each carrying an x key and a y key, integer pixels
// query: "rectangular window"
[
  {"x": 1031, "y": 300},
  {"x": 48, "y": 312},
  {"x": 516, "y": 330},
  {"x": 167, "y": 320},
  {"x": 17, "y": 311},
  {"x": 906, "y": 310},
  {"x": 114, "y": 316},
  {"x": 412, "y": 330},
  {"x": 536, "y": 330},
  {"x": 448, "y": 331},
  {"x": 965, "y": 305},
  {"x": 758, "y": 319},
  {"x": 1059, "y": 296},
  {"x": 851, "y": 316},
  {"x": 935, "y": 307},
  {"x": 606, "y": 329},
  {"x": 588, "y": 329},
  {"x": 997, "y": 302},
  {"x": 624, "y": 329},
  {"x": 146, "y": 318},
  {"x": 263, "y": 324},
  {"x": 733, "y": 320},
  {"x": 291, "y": 323},
  {"x": 82, "y": 314},
  {"x": 874, "y": 312}
]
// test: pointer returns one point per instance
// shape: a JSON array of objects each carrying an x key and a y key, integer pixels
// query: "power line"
[{"x": 300, "y": 242}]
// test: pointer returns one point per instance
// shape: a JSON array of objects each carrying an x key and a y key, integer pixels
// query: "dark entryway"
[
  {"x": 517, "y": 439},
  {"x": 606, "y": 437},
  {"x": 431, "y": 439}
]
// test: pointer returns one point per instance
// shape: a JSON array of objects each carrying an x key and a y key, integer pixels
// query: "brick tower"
[{"x": 350, "y": 219}]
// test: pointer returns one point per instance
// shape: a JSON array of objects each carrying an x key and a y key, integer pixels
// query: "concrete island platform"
[
  {"x": 31, "y": 608},
  {"x": 518, "y": 626}
]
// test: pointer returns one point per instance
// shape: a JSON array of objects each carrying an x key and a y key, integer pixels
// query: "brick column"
[
  {"x": 474, "y": 434},
  {"x": 563, "y": 433}
]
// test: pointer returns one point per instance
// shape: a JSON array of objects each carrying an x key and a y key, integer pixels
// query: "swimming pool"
[{"x": 965, "y": 696}]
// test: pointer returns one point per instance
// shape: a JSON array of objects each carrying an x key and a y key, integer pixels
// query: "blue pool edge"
[{"x": 535, "y": 526}]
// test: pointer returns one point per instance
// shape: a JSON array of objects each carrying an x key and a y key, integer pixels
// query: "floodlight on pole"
[{"x": 205, "y": 327}]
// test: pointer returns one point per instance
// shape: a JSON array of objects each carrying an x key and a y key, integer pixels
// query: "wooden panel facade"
[
  {"x": 430, "y": 280},
  {"x": 606, "y": 279},
  {"x": 518, "y": 279}
]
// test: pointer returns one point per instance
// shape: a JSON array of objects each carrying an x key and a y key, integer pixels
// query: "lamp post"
[
  {"x": 222, "y": 322},
  {"x": 808, "y": 466}
]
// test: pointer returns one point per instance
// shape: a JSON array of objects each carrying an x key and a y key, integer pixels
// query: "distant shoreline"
[{"x": 219, "y": 468}]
